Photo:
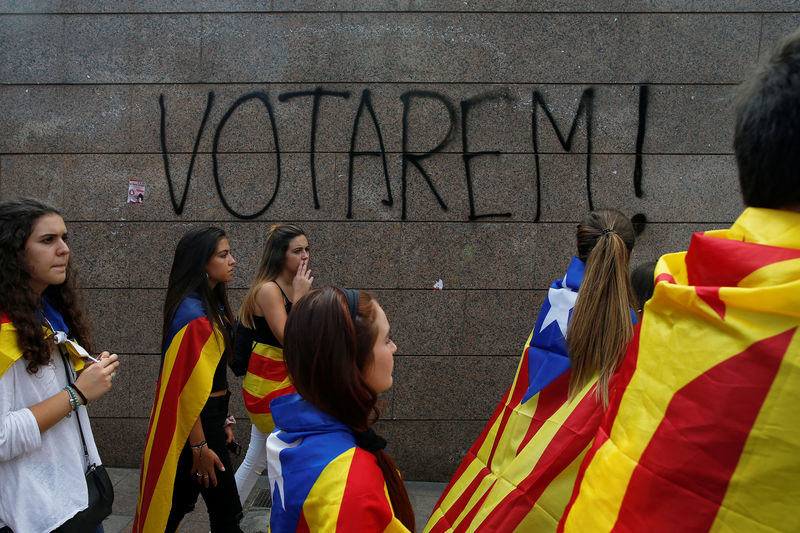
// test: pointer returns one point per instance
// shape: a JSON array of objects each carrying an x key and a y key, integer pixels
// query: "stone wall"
[{"x": 414, "y": 141}]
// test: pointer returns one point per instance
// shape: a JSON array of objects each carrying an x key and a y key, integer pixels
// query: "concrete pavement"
[{"x": 423, "y": 497}]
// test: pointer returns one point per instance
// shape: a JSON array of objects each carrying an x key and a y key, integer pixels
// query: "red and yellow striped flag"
[
  {"x": 519, "y": 474},
  {"x": 183, "y": 387},
  {"x": 266, "y": 379},
  {"x": 702, "y": 433},
  {"x": 9, "y": 347}
]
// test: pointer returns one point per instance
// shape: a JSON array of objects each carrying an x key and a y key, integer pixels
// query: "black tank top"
[{"x": 261, "y": 333}]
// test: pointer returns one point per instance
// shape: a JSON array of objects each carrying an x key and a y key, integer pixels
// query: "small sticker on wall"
[{"x": 135, "y": 192}]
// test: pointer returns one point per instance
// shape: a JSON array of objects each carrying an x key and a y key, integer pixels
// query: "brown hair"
[
  {"x": 18, "y": 301},
  {"x": 273, "y": 258},
  {"x": 326, "y": 354},
  {"x": 601, "y": 326}
]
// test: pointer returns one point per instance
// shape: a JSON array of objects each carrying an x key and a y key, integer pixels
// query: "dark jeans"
[{"x": 222, "y": 501}]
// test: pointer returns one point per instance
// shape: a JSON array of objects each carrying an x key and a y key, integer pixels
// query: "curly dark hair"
[{"x": 18, "y": 301}]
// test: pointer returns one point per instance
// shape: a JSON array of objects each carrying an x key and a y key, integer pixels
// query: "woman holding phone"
[
  {"x": 185, "y": 454},
  {"x": 43, "y": 459},
  {"x": 282, "y": 278}
]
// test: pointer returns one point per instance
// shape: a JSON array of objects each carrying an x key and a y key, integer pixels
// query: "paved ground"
[{"x": 256, "y": 513}]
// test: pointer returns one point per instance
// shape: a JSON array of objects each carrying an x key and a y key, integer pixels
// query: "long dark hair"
[
  {"x": 600, "y": 326},
  {"x": 18, "y": 301},
  {"x": 326, "y": 354},
  {"x": 269, "y": 268},
  {"x": 188, "y": 275}
]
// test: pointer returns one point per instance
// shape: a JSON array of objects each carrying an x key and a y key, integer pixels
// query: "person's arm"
[
  {"x": 269, "y": 301},
  {"x": 203, "y": 458},
  {"x": 242, "y": 349},
  {"x": 21, "y": 430},
  {"x": 94, "y": 381}
]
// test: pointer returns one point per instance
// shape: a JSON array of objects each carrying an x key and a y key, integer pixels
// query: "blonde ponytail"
[{"x": 601, "y": 326}]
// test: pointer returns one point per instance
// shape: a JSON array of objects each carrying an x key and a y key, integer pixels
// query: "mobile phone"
[{"x": 234, "y": 447}]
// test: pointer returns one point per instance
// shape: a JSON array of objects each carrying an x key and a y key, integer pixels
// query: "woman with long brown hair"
[
  {"x": 282, "y": 277},
  {"x": 186, "y": 451},
  {"x": 328, "y": 470},
  {"x": 519, "y": 474}
]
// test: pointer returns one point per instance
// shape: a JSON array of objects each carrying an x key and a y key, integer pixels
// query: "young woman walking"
[{"x": 282, "y": 277}]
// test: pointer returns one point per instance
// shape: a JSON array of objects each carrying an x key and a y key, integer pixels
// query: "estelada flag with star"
[
  {"x": 703, "y": 433},
  {"x": 192, "y": 354},
  {"x": 320, "y": 479},
  {"x": 519, "y": 474}
]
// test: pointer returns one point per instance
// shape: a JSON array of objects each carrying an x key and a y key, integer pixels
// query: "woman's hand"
[
  {"x": 95, "y": 380},
  {"x": 302, "y": 281},
  {"x": 203, "y": 462}
]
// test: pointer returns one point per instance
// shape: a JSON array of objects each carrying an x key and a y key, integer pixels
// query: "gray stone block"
[
  {"x": 429, "y": 450},
  {"x": 464, "y": 388},
  {"x": 30, "y": 49},
  {"x": 498, "y": 47}
]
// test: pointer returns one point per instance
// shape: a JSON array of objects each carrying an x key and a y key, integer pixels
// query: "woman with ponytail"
[
  {"x": 519, "y": 474},
  {"x": 601, "y": 324},
  {"x": 328, "y": 470},
  {"x": 282, "y": 277}
]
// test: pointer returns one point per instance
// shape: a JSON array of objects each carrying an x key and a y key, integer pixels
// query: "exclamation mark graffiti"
[{"x": 638, "y": 220}]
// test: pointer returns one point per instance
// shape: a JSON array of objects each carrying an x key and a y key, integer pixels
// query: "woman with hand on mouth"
[
  {"x": 282, "y": 278},
  {"x": 186, "y": 454},
  {"x": 44, "y": 450}
]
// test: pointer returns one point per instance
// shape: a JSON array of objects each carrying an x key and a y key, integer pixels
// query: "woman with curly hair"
[
  {"x": 44, "y": 450},
  {"x": 328, "y": 470}
]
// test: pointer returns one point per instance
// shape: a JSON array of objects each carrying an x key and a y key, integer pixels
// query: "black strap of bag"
[{"x": 100, "y": 488}]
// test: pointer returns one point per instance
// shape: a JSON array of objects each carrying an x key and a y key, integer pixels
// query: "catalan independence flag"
[
  {"x": 519, "y": 474},
  {"x": 193, "y": 351},
  {"x": 703, "y": 432},
  {"x": 9, "y": 344},
  {"x": 266, "y": 379},
  {"x": 320, "y": 480},
  {"x": 9, "y": 347}
]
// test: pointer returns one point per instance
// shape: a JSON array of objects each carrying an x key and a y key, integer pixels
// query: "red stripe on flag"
[
  {"x": 522, "y": 384},
  {"x": 451, "y": 514},
  {"x": 550, "y": 399},
  {"x": 510, "y": 399},
  {"x": 267, "y": 368},
  {"x": 302, "y": 524},
  {"x": 623, "y": 378},
  {"x": 470, "y": 516},
  {"x": 364, "y": 505},
  {"x": 194, "y": 338},
  {"x": 683, "y": 474},
  {"x": 724, "y": 263},
  {"x": 667, "y": 278},
  {"x": 260, "y": 406},
  {"x": 570, "y": 440},
  {"x": 710, "y": 295}
]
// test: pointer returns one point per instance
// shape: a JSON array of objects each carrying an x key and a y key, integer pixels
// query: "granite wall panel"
[
  {"x": 126, "y": 119},
  {"x": 80, "y": 84},
  {"x": 518, "y": 6}
]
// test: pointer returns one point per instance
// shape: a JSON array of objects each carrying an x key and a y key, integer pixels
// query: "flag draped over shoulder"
[
  {"x": 319, "y": 479},
  {"x": 702, "y": 432},
  {"x": 192, "y": 354},
  {"x": 9, "y": 348},
  {"x": 266, "y": 379},
  {"x": 519, "y": 474},
  {"x": 9, "y": 344}
]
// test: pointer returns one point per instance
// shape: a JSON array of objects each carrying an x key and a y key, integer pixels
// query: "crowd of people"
[{"x": 662, "y": 401}]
